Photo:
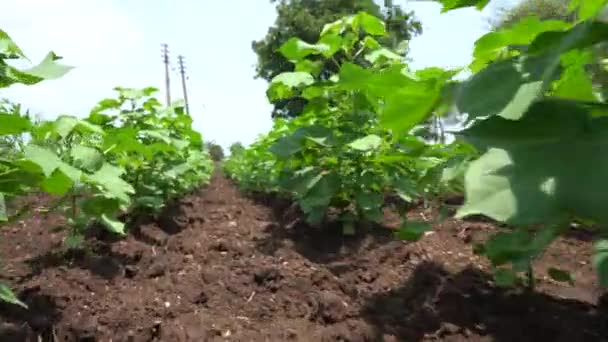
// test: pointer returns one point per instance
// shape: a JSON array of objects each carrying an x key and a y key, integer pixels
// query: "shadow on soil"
[
  {"x": 35, "y": 324},
  {"x": 434, "y": 302},
  {"x": 323, "y": 244}
]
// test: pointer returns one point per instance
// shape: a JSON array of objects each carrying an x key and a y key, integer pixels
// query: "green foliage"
[
  {"x": 215, "y": 151},
  {"x": 536, "y": 116},
  {"x": 307, "y": 19},
  {"x": 130, "y": 156},
  {"x": 236, "y": 148},
  {"x": 351, "y": 145}
]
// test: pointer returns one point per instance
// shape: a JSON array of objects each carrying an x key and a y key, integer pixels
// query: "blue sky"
[{"x": 117, "y": 43}]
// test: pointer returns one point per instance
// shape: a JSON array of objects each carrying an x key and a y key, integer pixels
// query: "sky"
[{"x": 117, "y": 43}]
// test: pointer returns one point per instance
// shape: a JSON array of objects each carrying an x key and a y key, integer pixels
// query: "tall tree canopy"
[{"x": 305, "y": 19}]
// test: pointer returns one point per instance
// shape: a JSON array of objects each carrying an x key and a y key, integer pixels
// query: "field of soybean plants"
[{"x": 355, "y": 220}]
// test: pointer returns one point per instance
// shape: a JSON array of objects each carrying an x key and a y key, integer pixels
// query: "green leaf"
[
  {"x": 560, "y": 275},
  {"x": 505, "y": 277},
  {"x": 319, "y": 196},
  {"x": 587, "y": 8},
  {"x": 6, "y": 295},
  {"x": 296, "y": 49},
  {"x": 600, "y": 261},
  {"x": 287, "y": 146},
  {"x": 13, "y": 124},
  {"x": 99, "y": 205},
  {"x": 539, "y": 169},
  {"x": 575, "y": 82},
  {"x": 382, "y": 54},
  {"x": 49, "y": 162},
  {"x": 367, "y": 143},
  {"x": 370, "y": 24},
  {"x": 509, "y": 98},
  {"x": 8, "y": 47},
  {"x": 454, "y": 4},
  {"x": 49, "y": 69},
  {"x": 113, "y": 225},
  {"x": 57, "y": 183},
  {"x": 491, "y": 46},
  {"x": 87, "y": 158},
  {"x": 582, "y": 35},
  {"x": 294, "y": 79},
  {"x": 413, "y": 230},
  {"x": 109, "y": 178}
]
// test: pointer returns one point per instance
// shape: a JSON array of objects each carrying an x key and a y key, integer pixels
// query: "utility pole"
[
  {"x": 166, "y": 62},
  {"x": 182, "y": 71}
]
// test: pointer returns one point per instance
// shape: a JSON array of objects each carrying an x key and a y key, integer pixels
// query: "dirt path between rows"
[{"x": 221, "y": 267}]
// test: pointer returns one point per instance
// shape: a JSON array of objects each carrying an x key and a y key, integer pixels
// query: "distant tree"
[
  {"x": 557, "y": 10},
  {"x": 215, "y": 151},
  {"x": 543, "y": 9},
  {"x": 236, "y": 148},
  {"x": 305, "y": 19}
]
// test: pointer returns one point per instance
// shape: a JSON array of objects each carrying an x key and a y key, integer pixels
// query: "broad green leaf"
[
  {"x": 600, "y": 261},
  {"x": 575, "y": 82},
  {"x": 57, "y": 183},
  {"x": 98, "y": 205},
  {"x": 6, "y": 295},
  {"x": 49, "y": 162},
  {"x": 178, "y": 170},
  {"x": 412, "y": 230},
  {"x": 560, "y": 275},
  {"x": 64, "y": 125},
  {"x": 287, "y": 146},
  {"x": 455, "y": 4},
  {"x": 294, "y": 79},
  {"x": 8, "y": 47},
  {"x": 296, "y": 49},
  {"x": 582, "y": 35},
  {"x": 311, "y": 67},
  {"x": 505, "y": 277},
  {"x": 587, "y": 8},
  {"x": 510, "y": 97},
  {"x": 49, "y": 68},
  {"x": 321, "y": 193},
  {"x": 109, "y": 177},
  {"x": 87, "y": 158},
  {"x": 113, "y": 225},
  {"x": 367, "y": 143},
  {"x": 13, "y": 124},
  {"x": 403, "y": 111},
  {"x": 370, "y": 24},
  {"x": 382, "y": 54},
  {"x": 495, "y": 44},
  {"x": 537, "y": 170}
]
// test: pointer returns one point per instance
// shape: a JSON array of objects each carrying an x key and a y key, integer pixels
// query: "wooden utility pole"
[
  {"x": 182, "y": 71},
  {"x": 167, "y": 83}
]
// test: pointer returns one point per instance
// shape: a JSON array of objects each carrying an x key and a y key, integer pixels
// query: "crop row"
[
  {"x": 128, "y": 157},
  {"x": 531, "y": 155}
]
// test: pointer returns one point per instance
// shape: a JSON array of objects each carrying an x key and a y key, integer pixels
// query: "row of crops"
[
  {"x": 129, "y": 157},
  {"x": 531, "y": 155}
]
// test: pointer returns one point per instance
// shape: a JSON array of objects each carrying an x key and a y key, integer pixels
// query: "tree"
[
  {"x": 305, "y": 19},
  {"x": 236, "y": 148},
  {"x": 543, "y": 9},
  {"x": 215, "y": 151}
]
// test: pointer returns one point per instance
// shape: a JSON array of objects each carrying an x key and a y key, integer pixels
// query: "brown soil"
[{"x": 223, "y": 267}]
